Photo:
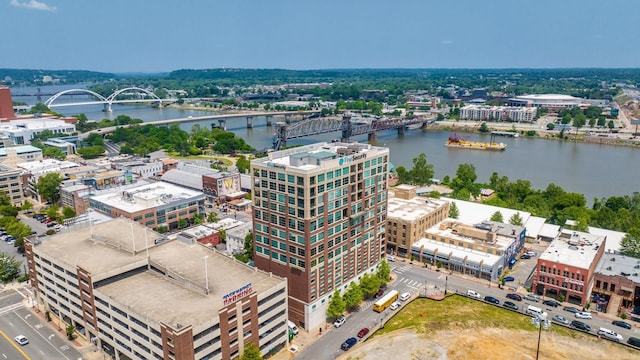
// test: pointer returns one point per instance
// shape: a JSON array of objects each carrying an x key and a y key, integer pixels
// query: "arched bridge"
[
  {"x": 346, "y": 126},
  {"x": 147, "y": 96}
]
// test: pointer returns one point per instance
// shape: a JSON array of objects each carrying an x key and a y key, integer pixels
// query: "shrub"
[
  {"x": 50, "y": 232},
  {"x": 623, "y": 316}
]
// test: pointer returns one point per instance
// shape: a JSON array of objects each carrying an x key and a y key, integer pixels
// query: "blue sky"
[{"x": 162, "y": 35}]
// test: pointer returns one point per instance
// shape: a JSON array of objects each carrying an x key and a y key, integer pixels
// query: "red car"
[{"x": 363, "y": 332}]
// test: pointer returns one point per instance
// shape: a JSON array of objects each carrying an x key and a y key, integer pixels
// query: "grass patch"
[
  {"x": 459, "y": 312},
  {"x": 175, "y": 155}
]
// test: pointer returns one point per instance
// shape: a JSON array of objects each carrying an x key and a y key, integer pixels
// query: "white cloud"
[
  {"x": 32, "y": 4},
  {"x": 447, "y": 42}
]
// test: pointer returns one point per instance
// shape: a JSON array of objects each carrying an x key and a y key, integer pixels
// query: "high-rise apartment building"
[{"x": 319, "y": 220}]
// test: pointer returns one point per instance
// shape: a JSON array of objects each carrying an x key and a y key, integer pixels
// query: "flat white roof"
[
  {"x": 534, "y": 226},
  {"x": 573, "y": 248},
  {"x": 411, "y": 209},
  {"x": 19, "y": 149},
  {"x": 550, "y": 231},
  {"x": 146, "y": 196},
  {"x": 474, "y": 213},
  {"x": 457, "y": 252},
  {"x": 614, "y": 238},
  {"x": 46, "y": 165}
]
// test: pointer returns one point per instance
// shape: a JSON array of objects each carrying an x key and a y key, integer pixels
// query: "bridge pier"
[
  {"x": 107, "y": 107},
  {"x": 223, "y": 124},
  {"x": 401, "y": 130},
  {"x": 287, "y": 119},
  {"x": 269, "y": 120},
  {"x": 249, "y": 122},
  {"x": 371, "y": 137}
]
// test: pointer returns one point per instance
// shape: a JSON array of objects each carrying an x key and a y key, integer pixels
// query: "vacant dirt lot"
[{"x": 490, "y": 343}]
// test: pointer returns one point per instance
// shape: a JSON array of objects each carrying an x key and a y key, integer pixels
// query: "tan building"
[
  {"x": 409, "y": 216},
  {"x": 616, "y": 286},
  {"x": 11, "y": 184},
  {"x": 140, "y": 298}
]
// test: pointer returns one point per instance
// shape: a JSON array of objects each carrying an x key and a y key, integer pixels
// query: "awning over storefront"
[{"x": 235, "y": 195}]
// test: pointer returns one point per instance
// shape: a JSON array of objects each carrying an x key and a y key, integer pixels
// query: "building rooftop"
[
  {"x": 19, "y": 149},
  {"x": 458, "y": 253},
  {"x": 488, "y": 233},
  {"x": 573, "y": 248},
  {"x": 621, "y": 265},
  {"x": 473, "y": 213},
  {"x": 109, "y": 252},
  {"x": 314, "y": 156},
  {"x": 411, "y": 209},
  {"x": 46, "y": 165},
  {"x": 548, "y": 97},
  {"x": 146, "y": 196},
  {"x": 183, "y": 178},
  {"x": 614, "y": 238}
]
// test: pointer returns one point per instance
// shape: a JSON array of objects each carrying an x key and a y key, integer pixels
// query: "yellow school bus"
[{"x": 385, "y": 301}]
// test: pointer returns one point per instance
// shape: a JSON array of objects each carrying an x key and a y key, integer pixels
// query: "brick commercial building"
[
  {"x": 139, "y": 298},
  {"x": 319, "y": 215},
  {"x": 617, "y": 285},
  {"x": 566, "y": 268}
]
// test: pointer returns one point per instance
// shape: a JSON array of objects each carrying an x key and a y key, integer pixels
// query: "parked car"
[
  {"x": 524, "y": 257},
  {"x": 580, "y": 325},
  {"x": 530, "y": 253},
  {"x": 570, "y": 309},
  {"x": 394, "y": 305},
  {"x": 532, "y": 297},
  {"x": 340, "y": 321},
  {"x": 379, "y": 293},
  {"x": 405, "y": 296},
  {"x": 22, "y": 340},
  {"x": 551, "y": 303},
  {"x": 622, "y": 324},
  {"x": 583, "y": 315},
  {"x": 363, "y": 332},
  {"x": 610, "y": 334},
  {"x": 561, "y": 319},
  {"x": 474, "y": 294},
  {"x": 391, "y": 258},
  {"x": 514, "y": 296},
  {"x": 348, "y": 344},
  {"x": 491, "y": 299},
  {"x": 508, "y": 278},
  {"x": 510, "y": 305}
]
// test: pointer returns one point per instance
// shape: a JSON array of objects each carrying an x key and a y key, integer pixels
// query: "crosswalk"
[
  {"x": 400, "y": 269},
  {"x": 413, "y": 284}
]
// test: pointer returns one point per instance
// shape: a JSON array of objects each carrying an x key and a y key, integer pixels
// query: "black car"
[
  {"x": 514, "y": 296},
  {"x": 491, "y": 299},
  {"x": 510, "y": 305},
  {"x": 571, "y": 309},
  {"x": 580, "y": 326},
  {"x": 621, "y": 324},
  {"x": 551, "y": 303}
]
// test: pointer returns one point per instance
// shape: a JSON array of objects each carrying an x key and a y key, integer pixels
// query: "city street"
[
  {"x": 44, "y": 342},
  {"x": 414, "y": 278}
]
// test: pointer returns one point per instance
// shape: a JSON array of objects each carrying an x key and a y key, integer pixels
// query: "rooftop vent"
[
  {"x": 609, "y": 268},
  {"x": 624, "y": 273}
]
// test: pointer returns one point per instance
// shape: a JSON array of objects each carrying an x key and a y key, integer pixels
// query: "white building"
[
  {"x": 498, "y": 113},
  {"x": 22, "y": 131}
]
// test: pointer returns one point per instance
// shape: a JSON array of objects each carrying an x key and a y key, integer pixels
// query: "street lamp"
[
  {"x": 446, "y": 282},
  {"x": 540, "y": 321}
]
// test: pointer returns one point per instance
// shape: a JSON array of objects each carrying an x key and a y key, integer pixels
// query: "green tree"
[
  {"x": 223, "y": 235},
  {"x": 403, "y": 175},
  {"x": 370, "y": 284},
  {"x": 353, "y": 296},
  {"x": 27, "y": 206},
  {"x": 336, "y": 306},
  {"x": 611, "y": 124},
  {"x": 422, "y": 172},
  {"x": 516, "y": 219},
  {"x": 197, "y": 219},
  {"x": 48, "y": 186},
  {"x": 212, "y": 217},
  {"x": 454, "y": 213},
  {"x": 68, "y": 212},
  {"x": 40, "y": 108},
  {"x": 182, "y": 223},
  {"x": 630, "y": 244},
  {"x": 497, "y": 217},
  {"x": 243, "y": 164},
  {"x": 248, "y": 245},
  {"x": 53, "y": 152},
  {"x": 9, "y": 268},
  {"x": 53, "y": 211},
  {"x": 251, "y": 352},
  {"x": 465, "y": 179},
  {"x": 384, "y": 272},
  {"x": 91, "y": 152},
  {"x": 483, "y": 128},
  {"x": 69, "y": 331},
  {"x": 579, "y": 122}
]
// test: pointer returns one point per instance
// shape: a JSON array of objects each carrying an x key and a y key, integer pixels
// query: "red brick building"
[
  {"x": 6, "y": 105},
  {"x": 566, "y": 268}
]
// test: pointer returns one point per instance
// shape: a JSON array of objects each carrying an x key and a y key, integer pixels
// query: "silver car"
[
  {"x": 561, "y": 319},
  {"x": 583, "y": 315}
]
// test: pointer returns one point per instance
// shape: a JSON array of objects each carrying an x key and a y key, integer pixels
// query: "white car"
[
  {"x": 391, "y": 258},
  {"x": 22, "y": 340},
  {"x": 394, "y": 305},
  {"x": 340, "y": 321},
  {"x": 583, "y": 315},
  {"x": 405, "y": 296}
]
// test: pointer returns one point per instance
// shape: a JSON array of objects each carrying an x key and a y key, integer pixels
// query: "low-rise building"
[
  {"x": 21, "y": 132},
  {"x": 142, "y": 168},
  {"x": 14, "y": 155},
  {"x": 11, "y": 184},
  {"x": 408, "y": 216},
  {"x": 482, "y": 250},
  {"x": 616, "y": 285},
  {"x": 153, "y": 205},
  {"x": 138, "y": 298},
  {"x": 199, "y": 234},
  {"x": 565, "y": 270}
]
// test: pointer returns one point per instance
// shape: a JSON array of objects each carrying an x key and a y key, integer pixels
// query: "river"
[{"x": 591, "y": 169}]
